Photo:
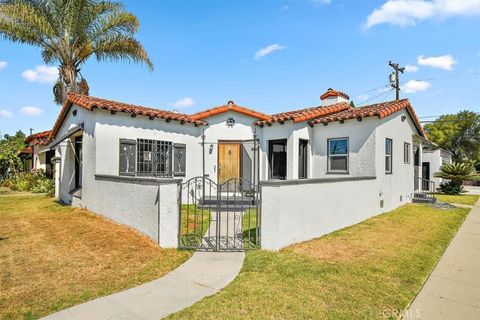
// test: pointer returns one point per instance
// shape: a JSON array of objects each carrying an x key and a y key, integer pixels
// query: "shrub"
[
  {"x": 451, "y": 187},
  {"x": 456, "y": 173},
  {"x": 35, "y": 181}
]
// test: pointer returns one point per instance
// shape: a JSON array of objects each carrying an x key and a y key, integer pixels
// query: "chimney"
[{"x": 333, "y": 96}]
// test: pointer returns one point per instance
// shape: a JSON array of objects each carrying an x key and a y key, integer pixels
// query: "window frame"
[
  {"x": 347, "y": 155},
  {"x": 389, "y": 155},
  {"x": 406, "y": 149},
  {"x": 270, "y": 158},
  {"x": 130, "y": 142}
]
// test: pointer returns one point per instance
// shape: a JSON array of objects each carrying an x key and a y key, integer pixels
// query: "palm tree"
[{"x": 69, "y": 32}]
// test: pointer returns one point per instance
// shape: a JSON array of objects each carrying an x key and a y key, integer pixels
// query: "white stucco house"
[{"x": 107, "y": 153}]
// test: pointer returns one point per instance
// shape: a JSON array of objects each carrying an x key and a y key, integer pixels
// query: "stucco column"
[{"x": 56, "y": 163}]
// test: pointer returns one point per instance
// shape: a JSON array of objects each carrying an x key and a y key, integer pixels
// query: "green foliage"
[
  {"x": 10, "y": 160},
  {"x": 459, "y": 133},
  {"x": 451, "y": 188},
  {"x": 352, "y": 104},
  {"x": 70, "y": 32},
  {"x": 458, "y": 172},
  {"x": 35, "y": 181}
]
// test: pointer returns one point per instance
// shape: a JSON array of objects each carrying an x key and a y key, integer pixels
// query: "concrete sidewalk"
[
  {"x": 203, "y": 275},
  {"x": 453, "y": 289}
]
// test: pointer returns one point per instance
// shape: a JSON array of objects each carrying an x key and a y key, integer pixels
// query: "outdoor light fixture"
[
  {"x": 230, "y": 122},
  {"x": 404, "y": 117}
]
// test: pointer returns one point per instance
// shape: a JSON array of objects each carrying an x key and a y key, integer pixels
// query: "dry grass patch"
[
  {"x": 54, "y": 256},
  {"x": 371, "y": 270}
]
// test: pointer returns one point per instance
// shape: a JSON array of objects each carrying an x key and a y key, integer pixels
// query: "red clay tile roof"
[
  {"x": 380, "y": 110},
  {"x": 305, "y": 114},
  {"x": 40, "y": 138},
  {"x": 230, "y": 106},
  {"x": 334, "y": 93},
  {"x": 90, "y": 103},
  {"x": 26, "y": 150}
]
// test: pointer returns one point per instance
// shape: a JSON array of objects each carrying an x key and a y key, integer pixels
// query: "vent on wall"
[{"x": 381, "y": 203}]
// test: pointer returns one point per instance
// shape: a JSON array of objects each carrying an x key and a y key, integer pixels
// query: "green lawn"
[
  {"x": 195, "y": 222},
  {"x": 368, "y": 271},
  {"x": 469, "y": 199},
  {"x": 54, "y": 256}
]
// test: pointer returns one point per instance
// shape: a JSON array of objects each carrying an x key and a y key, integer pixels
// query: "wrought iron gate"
[{"x": 219, "y": 217}]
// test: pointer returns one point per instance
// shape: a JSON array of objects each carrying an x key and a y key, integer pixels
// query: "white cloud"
[
  {"x": 3, "y": 65},
  {"x": 5, "y": 113},
  {"x": 31, "y": 111},
  {"x": 410, "y": 68},
  {"x": 445, "y": 62},
  {"x": 285, "y": 7},
  {"x": 413, "y": 86},
  {"x": 321, "y": 1},
  {"x": 184, "y": 103},
  {"x": 41, "y": 74},
  {"x": 267, "y": 50},
  {"x": 409, "y": 12}
]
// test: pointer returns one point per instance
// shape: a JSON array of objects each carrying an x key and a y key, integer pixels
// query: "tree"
[
  {"x": 10, "y": 148},
  {"x": 69, "y": 32},
  {"x": 458, "y": 133},
  {"x": 352, "y": 104}
]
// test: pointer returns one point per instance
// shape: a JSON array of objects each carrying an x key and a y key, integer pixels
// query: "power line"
[{"x": 377, "y": 96}]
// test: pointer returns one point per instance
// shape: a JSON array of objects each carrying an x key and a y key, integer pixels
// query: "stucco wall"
[
  {"x": 361, "y": 137},
  {"x": 296, "y": 211},
  {"x": 396, "y": 188},
  {"x": 147, "y": 205}
]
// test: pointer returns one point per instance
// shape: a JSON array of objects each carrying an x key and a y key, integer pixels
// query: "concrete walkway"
[
  {"x": 203, "y": 275},
  {"x": 453, "y": 289}
]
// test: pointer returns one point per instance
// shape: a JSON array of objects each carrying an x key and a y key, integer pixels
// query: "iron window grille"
[
  {"x": 338, "y": 153},
  {"x": 154, "y": 158},
  {"x": 388, "y": 155}
]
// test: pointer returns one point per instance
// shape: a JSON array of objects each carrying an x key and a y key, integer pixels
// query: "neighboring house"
[
  {"x": 41, "y": 157},
  {"x": 433, "y": 159},
  {"x": 34, "y": 154},
  {"x": 100, "y": 143}
]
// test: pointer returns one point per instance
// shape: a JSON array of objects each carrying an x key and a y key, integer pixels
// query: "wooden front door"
[{"x": 228, "y": 161}]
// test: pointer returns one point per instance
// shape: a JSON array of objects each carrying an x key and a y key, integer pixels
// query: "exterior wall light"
[{"x": 230, "y": 122}]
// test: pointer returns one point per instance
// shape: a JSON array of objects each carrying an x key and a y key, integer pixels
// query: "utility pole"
[{"x": 395, "y": 78}]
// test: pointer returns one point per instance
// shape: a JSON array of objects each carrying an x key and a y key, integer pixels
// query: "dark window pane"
[
  {"x": 302, "y": 158},
  {"x": 338, "y": 163},
  {"x": 338, "y": 146}
]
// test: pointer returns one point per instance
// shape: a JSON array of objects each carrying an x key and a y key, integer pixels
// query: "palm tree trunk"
[{"x": 68, "y": 72}]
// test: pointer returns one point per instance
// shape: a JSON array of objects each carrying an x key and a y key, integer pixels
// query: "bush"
[
  {"x": 35, "y": 181},
  {"x": 451, "y": 188}
]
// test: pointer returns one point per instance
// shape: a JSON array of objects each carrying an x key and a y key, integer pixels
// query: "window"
[
  {"x": 127, "y": 157},
  {"x": 179, "y": 159},
  {"x": 388, "y": 155},
  {"x": 277, "y": 157},
  {"x": 154, "y": 158},
  {"x": 338, "y": 155},
  {"x": 406, "y": 152},
  {"x": 302, "y": 158}
]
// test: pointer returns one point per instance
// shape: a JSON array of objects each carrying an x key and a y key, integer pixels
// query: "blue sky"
[{"x": 271, "y": 56}]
